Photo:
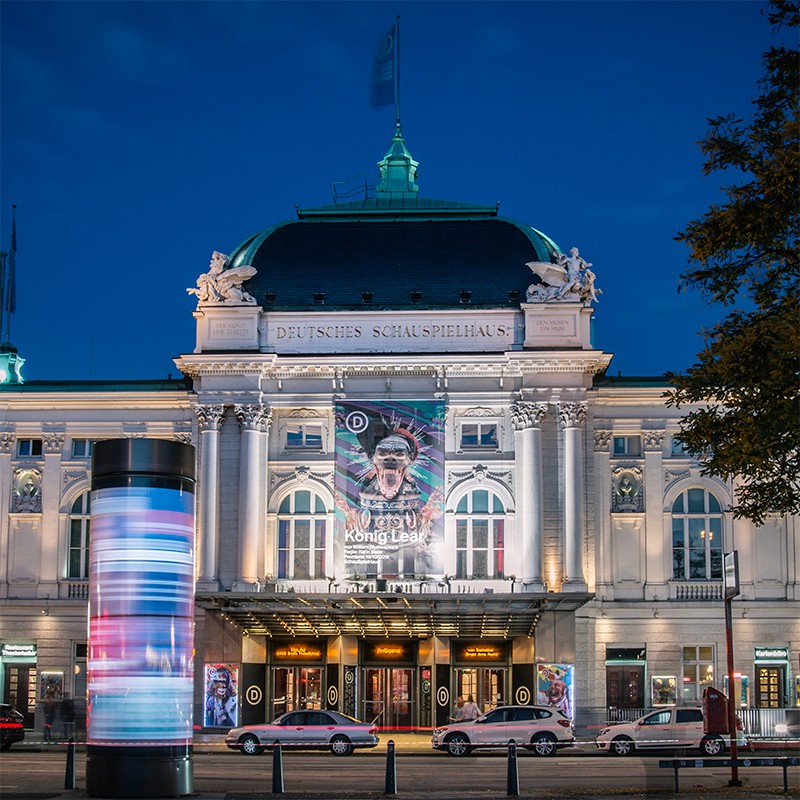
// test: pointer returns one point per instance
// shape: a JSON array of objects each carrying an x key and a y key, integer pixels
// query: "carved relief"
[
  {"x": 183, "y": 438},
  {"x": 602, "y": 441},
  {"x": 304, "y": 413},
  {"x": 479, "y": 473},
  {"x": 6, "y": 442},
  {"x": 26, "y": 492},
  {"x": 480, "y": 412},
  {"x": 572, "y": 415},
  {"x": 53, "y": 442},
  {"x": 627, "y": 493},
  {"x": 301, "y": 475},
  {"x": 527, "y": 415},
  {"x": 653, "y": 441},
  {"x": 209, "y": 418},
  {"x": 72, "y": 476}
]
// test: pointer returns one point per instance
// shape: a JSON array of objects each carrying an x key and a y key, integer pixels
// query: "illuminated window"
[
  {"x": 627, "y": 446},
  {"x": 479, "y": 435},
  {"x": 696, "y": 536},
  {"x": 303, "y": 436},
  {"x": 302, "y": 536},
  {"x": 29, "y": 448},
  {"x": 79, "y": 519},
  {"x": 698, "y": 671},
  {"x": 81, "y": 448},
  {"x": 480, "y": 535}
]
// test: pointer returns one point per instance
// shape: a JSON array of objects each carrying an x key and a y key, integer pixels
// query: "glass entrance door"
[
  {"x": 20, "y": 690},
  {"x": 625, "y": 686},
  {"x": 296, "y": 688},
  {"x": 389, "y": 697},
  {"x": 487, "y": 686},
  {"x": 769, "y": 687}
]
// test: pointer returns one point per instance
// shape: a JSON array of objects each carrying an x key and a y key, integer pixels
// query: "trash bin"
[{"x": 715, "y": 711}]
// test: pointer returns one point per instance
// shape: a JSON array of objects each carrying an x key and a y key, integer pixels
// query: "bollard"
[
  {"x": 69, "y": 773},
  {"x": 277, "y": 768},
  {"x": 512, "y": 783},
  {"x": 391, "y": 769}
]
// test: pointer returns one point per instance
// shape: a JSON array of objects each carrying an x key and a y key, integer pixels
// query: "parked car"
[
  {"x": 11, "y": 729},
  {"x": 541, "y": 729},
  {"x": 676, "y": 727},
  {"x": 311, "y": 730}
]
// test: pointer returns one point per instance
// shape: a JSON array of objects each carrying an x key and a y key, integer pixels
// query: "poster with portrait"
[
  {"x": 221, "y": 706},
  {"x": 554, "y": 686},
  {"x": 389, "y": 487},
  {"x": 663, "y": 690},
  {"x": 51, "y": 685}
]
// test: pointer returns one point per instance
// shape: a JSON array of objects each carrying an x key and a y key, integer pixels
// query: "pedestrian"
[
  {"x": 49, "y": 706},
  {"x": 68, "y": 716},
  {"x": 471, "y": 710},
  {"x": 458, "y": 715}
]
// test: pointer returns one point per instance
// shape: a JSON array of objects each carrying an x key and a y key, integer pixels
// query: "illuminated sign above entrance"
[
  {"x": 482, "y": 651},
  {"x": 771, "y": 654},
  {"x": 18, "y": 650},
  {"x": 296, "y": 651},
  {"x": 388, "y": 651}
]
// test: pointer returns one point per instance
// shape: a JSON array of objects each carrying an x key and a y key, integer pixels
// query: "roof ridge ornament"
[
  {"x": 568, "y": 280},
  {"x": 398, "y": 169}
]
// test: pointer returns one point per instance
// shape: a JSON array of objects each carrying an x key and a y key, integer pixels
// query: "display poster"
[
  {"x": 221, "y": 707},
  {"x": 663, "y": 690},
  {"x": 51, "y": 685},
  {"x": 389, "y": 487},
  {"x": 554, "y": 684}
]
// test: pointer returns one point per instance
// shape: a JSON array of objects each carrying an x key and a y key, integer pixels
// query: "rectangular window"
[
  {"x": 679, "y": 448},
  {"x": 627, "y": 446},
  {"x": 476, "y": 435},
  {"x": 81, "y": 448},
  {"x": 29, "y": 448},
  {"x": 303, "y": 436},
  {"x": 698, "y": 671}
]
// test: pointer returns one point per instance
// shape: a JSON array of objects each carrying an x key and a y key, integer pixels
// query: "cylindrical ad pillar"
[{"x": 141, "y": 619}]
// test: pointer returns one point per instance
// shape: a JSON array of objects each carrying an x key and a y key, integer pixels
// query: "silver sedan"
[{"x": 311, "y": 730}]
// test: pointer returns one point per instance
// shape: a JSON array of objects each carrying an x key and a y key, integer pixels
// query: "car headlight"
[
  {"x": 782, "y": 729},
  {"x": 439, "y": 731}
]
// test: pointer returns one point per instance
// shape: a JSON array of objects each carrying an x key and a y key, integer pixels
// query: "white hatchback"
[{"x": 541, "y": 729}]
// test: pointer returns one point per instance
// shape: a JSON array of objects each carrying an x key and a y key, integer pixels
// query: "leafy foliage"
[{"x": 745, "y": 386}]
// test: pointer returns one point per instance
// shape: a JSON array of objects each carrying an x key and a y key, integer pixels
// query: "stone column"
[
  {"x": 526, "y": 418},
  {"x": 209, "y": 420},
  {"x": 50, "y": 569},
  {"x": 254, "y": 421},
  {"x": 572, "y": 417}
]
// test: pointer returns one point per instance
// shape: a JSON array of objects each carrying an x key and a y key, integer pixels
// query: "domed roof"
[{"x": 396, "y": 250}]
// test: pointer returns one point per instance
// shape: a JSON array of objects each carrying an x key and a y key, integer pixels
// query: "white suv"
[
  {"x": 666, "y": 727},
  {"x": 541, "y": 729}
]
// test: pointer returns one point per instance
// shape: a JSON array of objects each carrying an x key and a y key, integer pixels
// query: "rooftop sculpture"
[
  {"x": 569, "y": 280},
  {"x": 220, "y": 285}
]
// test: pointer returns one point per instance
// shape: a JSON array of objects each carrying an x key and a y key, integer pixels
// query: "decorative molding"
[
  {"x": 479, "y": 473},
  {"x": 301, "y": 475},
  {"x": 72, "y": 476},
  {"x": 53, "y": 442},
  {"x": 26, "y": 491},
  {"x": 627, "y": 490},
  {"x": 305, "y": 413},
  {"x": 6, "y": 442},
  {"x": 653, "y": 441},
  {"x": 480, "y": 412},
  {"x": 525, "y": 414},
  {"x": 253, "y": 417},
  {"x": 209, "y": 417},
  {"x": 671, "y": 475},
  {"x": 602, "y": 441},
  {"x": 183, "y": 438},
  {"x": 571, "y": 415}
]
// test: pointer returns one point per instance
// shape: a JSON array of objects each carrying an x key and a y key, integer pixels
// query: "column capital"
[
  {"x": 653, "y": 441},
  {"x": 53, "y": 443},
  {"x": 6, "y": 442},
  {"x": 572, "y": 415},
  {"x": 253, "y": 417},
  {"x": 209, "y": 417},
  {"x": 525, "y": 414}
]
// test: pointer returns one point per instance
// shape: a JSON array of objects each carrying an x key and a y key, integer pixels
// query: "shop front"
[
  {"x": 389, "y": 693},
  {"x": 625, "y": 681},
  {"x": 297, "y": 676},
  {"x": 20, "y": 679},
  {"x": 771, "y": 665},
  {"x": 480, "y": 670}
]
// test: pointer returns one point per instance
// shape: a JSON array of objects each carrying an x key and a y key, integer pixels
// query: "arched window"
[
  {"x": 480, "y": 535},
  {"x": 79, "y": 520},
  {"x": 302, "y": 536},
  {"x": 696, "y": 536}
]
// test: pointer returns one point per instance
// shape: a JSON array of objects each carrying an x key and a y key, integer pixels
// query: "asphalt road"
[{"x": 36, "y": 773}]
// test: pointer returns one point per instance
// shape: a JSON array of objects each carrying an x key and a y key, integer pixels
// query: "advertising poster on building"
[
  {"x": 389, "y": 487},
  {"x": 554, "y": 684},
  {"x": 222, "y": 696}
]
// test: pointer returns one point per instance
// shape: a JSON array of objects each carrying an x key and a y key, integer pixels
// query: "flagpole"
[
  {"x": 397, "y": 82},
  {"x": 9, "y": 277}
]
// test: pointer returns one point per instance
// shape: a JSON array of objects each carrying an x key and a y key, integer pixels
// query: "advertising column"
[{"x": 141, "y": 619}]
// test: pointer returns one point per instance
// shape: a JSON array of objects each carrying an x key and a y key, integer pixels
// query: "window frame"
[
  {"x": 83, "y": 518},
  {"x": 631, "y": 445},
  {"x": 697, "y": 664},
  {"x": 35, "y": 446},
  {"x": 496, "y": 535},
  {"x": 480, "y": 422},
  {"x": 290, "y": 524},
  {"x": 707, "y": 524},
  {"x": 88, "y": 446}
]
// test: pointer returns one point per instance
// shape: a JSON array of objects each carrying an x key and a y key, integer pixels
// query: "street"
[{"x": 579, "y": 773}]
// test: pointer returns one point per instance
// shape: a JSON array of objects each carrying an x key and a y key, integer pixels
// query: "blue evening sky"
[{"x": 137, "y": 137}]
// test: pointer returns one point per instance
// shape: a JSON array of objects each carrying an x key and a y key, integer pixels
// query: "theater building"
[{"x": 414, "y": 482}]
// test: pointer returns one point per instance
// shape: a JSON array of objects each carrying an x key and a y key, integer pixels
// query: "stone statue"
[
  {"x": 221, "y": 285},
  {"x": 570, "y": 279}
]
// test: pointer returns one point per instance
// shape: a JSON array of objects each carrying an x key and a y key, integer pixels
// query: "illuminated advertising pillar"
[{"x": 141, "y": 619}]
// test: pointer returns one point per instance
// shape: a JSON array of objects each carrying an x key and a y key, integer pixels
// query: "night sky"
[{"x": 138, "y": 137}]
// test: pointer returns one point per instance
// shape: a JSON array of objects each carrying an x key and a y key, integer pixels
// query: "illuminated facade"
[{"x": 414, "y": 482}]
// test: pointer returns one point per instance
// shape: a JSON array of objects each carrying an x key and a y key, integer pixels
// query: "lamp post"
[{"x": 731, "y": 590}]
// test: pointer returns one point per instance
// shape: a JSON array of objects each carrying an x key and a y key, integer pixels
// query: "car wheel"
[
  {"x": 250, "y": 746},
  {"x": 457, "y": 745},
  {"x": 543, "y": 744},
  {"x": 622, "y": 746},
  {"x": 341, "y": 746},
  {"x": 712, "y": 746}
]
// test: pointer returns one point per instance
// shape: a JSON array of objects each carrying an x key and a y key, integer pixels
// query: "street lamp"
[{"x": 731, "y": 589}]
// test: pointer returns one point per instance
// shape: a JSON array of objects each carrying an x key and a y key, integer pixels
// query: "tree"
[{"x": 744, "y": 256}]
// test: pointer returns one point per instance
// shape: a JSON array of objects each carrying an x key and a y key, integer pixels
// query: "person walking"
[
  {"x": 49, "y": 706},
  {"x": 471, "y": 710}
]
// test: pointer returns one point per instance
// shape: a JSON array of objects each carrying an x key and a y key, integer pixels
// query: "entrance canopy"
[{"x": 381, "y": 614}]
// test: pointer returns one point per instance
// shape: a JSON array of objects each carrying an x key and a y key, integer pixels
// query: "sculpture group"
[
  {"x": 570, "y": 279},
  {"x": 221, "y": 285}
]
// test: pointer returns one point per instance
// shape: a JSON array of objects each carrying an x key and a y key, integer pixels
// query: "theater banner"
[{"x": 389, "y": 487}]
